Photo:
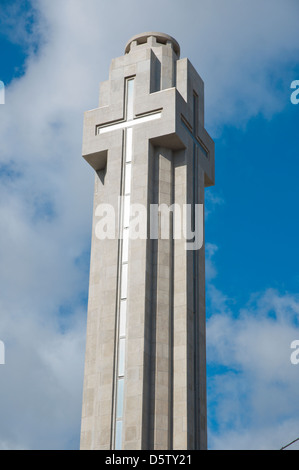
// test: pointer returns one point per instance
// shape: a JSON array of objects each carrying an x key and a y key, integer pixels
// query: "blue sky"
[
  {"x": 257, "y": 221},
  {"x": 53, "y": 56},
  {"x": 11, "y": 54}
]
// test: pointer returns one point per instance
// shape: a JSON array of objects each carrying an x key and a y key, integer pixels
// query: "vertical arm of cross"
[{"x": 121, "y": 343}]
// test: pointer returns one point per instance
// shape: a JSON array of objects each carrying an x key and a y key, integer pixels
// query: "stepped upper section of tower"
[
  {"x": 168, "y": 102},
  {"x": 153, "y": 39}
]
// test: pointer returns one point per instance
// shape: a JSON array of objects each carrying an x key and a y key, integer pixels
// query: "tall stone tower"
[{"x": 145, "y": 367}]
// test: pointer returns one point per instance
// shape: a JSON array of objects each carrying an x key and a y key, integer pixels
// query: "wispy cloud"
[{"x": 252, "y": 385}]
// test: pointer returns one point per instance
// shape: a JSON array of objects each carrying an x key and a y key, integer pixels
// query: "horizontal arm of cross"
[{"x": 125, "y": 124}]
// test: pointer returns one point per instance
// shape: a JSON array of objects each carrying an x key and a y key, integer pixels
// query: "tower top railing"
[{"x": 160, "y": 38}]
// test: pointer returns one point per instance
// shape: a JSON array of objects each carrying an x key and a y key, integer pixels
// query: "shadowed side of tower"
[{"x": 145, "y": 365}]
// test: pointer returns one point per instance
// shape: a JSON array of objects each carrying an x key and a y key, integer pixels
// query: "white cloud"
[
  {"x": 46, "y": 188},
  {"x": 252, "y": 384},
  {"x": 253, "y": 392},
  {"x": 39, "y": 397},
  {"x": 210, "y": 268},
  {"x": 212, "y": 201}
]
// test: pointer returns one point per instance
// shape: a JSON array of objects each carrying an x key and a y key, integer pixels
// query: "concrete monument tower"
[{"x": 145, "y": 366}]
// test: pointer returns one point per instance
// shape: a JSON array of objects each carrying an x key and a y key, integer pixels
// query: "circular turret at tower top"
[{"x": 161, "y": 38}]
